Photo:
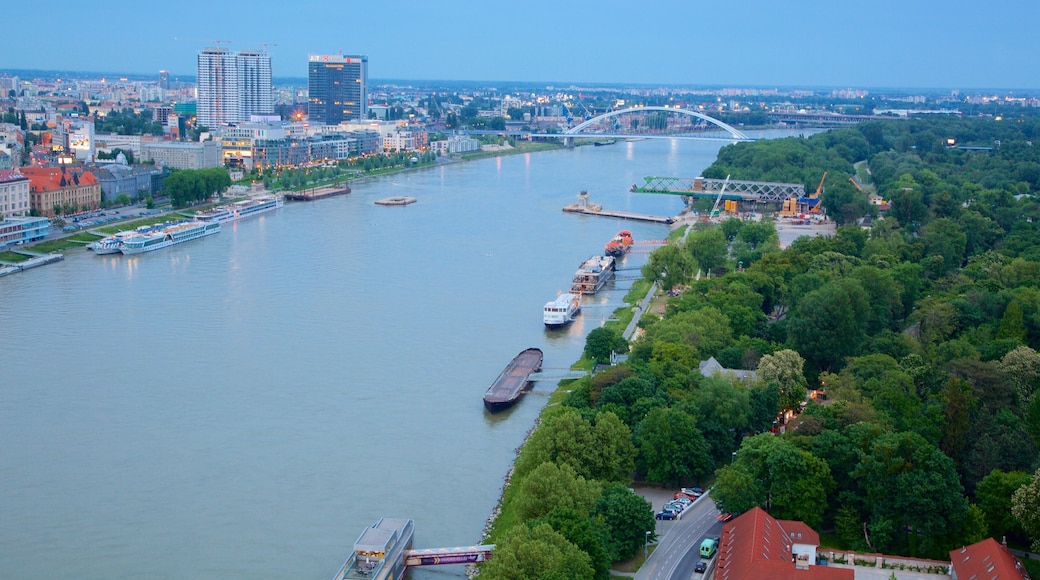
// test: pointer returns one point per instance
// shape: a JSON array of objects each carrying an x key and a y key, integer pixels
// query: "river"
[{"x": 245, "y": 404}]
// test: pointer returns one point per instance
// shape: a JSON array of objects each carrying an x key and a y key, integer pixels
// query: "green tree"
[
  {"x": 627, "y": 518},
  {"x": 549, "y": 486},
  {"x": 994, "y": 497},
  {"x": 784, "y": 367},
  {"x": 585, "y": 532},
  {"x": 532, "y": 553},
  {"x": 1025, "y": 506},
  {"x": 671, "y": 448},
  {"x": 772, "y": 473},
  {"x": 670, "y": 266},
  {"x": 601, "y": 342},
  {"x": 708, "y": 248},
  {"x": 829, "y": 324}
]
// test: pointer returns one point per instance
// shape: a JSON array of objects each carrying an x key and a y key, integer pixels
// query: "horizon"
[{"x": 816, "y": 44}]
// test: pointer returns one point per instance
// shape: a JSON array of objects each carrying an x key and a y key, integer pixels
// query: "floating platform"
[
  {"x": 513, "y": 381},
  {"x": 35, "y": 261},
  {"x": 397, "y": 200},
  {"x": 592, "y": 209},
  {"x": 318, "y": 193}
]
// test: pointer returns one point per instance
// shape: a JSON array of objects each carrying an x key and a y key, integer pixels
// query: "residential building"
[
  {"x": 986, "y": 560},
  {"x": 712, "y": 367},
  {"x": 107, "y": 142},
  {"x": 337, "y": 88},
  {"x": 76, "y": 135},
  {"x": 118, "y": 179},
  {"x": 12, "y": 143},
  {"x": 68, "y": 189},
  {"x": 232, "y": 86},
  {"x": 757, "y": 546},
  {"x": 23, "y": 230},
  {"x": 183, "y": 155},
  {"x": 14, "y": 194},
  {"x": 455, "y": 144}
]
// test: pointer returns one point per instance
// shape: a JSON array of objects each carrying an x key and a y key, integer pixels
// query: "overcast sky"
[{"x": 806, "y": 43}]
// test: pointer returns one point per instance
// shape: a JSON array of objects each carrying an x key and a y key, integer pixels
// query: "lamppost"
[{"x": 646, "y": 546}]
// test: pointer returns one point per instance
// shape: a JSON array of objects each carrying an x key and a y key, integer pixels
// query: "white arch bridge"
[{"x": 576, "y": 131}]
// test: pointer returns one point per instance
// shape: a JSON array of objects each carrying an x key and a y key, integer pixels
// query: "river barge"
[
  {"x": 592, "y": 275},
  {"x": 513, "y": 381},
  {"x": 379, "y": 551}
]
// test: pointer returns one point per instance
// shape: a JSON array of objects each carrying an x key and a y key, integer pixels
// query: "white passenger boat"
[
  {"x": 561, "y": 312},
  {"x": 168, "y": 236},
  {"x": 378, "y": 551},
  {"x": 240, "y": 209}
]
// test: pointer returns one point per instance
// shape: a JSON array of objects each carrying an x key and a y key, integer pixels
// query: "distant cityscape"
[{"x": 73, "y": 142}]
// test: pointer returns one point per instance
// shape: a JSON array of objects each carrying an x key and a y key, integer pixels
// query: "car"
[
  {"x": 693, "y": 492},
  {"x": 665, "y": 515},
  {"x": 673, "y": 506},
  {"x": 700, "y": 567}
]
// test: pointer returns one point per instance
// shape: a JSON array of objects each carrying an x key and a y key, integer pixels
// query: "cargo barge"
[{"x": 513, "y": 381}]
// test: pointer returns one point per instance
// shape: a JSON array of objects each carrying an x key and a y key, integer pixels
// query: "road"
[{"x": 677, "y": 551}]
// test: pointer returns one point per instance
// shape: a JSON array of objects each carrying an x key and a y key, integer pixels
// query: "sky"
[{"x": 954, "y": 44}]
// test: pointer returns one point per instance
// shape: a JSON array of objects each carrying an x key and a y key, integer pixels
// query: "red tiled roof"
[
  {"x": 986, "y": 560},
  {"x": 756, "y": 546},
  {"x": 800, "y": 533},
  {"x": 8, "y": 175},
  {"x": 49, "y": 178}
]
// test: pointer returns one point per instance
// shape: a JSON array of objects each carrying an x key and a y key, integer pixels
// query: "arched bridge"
[{"x": 576, "y": 130}]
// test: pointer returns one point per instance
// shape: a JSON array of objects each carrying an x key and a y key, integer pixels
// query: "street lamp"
[{"x": 646, "y": 546}]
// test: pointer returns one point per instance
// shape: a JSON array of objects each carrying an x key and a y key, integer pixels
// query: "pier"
[
  {"x": 584, "y": 206},
  {"x": 318, "y": 192},
  {"x": 35, "y": 260}
]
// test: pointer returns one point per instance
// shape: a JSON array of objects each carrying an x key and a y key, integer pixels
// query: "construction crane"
[
  {"x": 819, "y": 188},
  {"x": 722, "y": 190},
  {"x": 856, "y": 185}
]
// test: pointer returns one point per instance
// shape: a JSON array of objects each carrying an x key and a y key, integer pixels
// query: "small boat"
[
  {"x": 513, "y": 381},
  {"x": 620, "y": 244},
  {"x": 592, "y": 275},
  {"x": 561, "y": 312}
]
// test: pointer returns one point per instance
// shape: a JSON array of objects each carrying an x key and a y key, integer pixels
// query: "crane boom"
[
  {"x": 715, "y": 208},
  {"x": 819, "y": 188}
]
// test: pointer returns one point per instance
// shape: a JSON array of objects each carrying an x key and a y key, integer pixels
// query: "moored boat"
[
  {"x": 378, "y": 551},
  {"x": 240, "y": 209},
  {"x": 561, "y": 311},
  {"x": 619, "y": 244},
  {"x": 167, "y": 236},
  {"x": 592, "y": 275},
  {"x": 513, "y": 381}
]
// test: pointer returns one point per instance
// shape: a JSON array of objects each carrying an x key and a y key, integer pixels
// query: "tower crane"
[{"x": 722, "y": 190}]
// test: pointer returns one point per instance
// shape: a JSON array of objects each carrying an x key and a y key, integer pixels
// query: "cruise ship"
[
  {"x": 240, "y": 209},
  {"x": 378, "y": 551},
  {"x": 592, "y": 275},
  {"x": 111, "y": 244},
  {"x": 561, "y": 312},
  {"x": 167, "y": 236}
]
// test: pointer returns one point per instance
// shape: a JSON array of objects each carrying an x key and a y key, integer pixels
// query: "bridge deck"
[{"x": 759, "y": 191}]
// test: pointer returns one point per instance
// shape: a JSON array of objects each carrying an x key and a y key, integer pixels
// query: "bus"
[{"x": 708, "y": 547}]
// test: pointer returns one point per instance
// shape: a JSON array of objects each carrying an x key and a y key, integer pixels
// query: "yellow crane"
[{"x": 819, "y": 188}]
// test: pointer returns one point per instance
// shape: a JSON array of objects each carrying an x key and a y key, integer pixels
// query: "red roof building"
[
  {"x": 67, "y": 190},
  {"x": 986, "y": 560},
  {"x": 757, "y": 546}
]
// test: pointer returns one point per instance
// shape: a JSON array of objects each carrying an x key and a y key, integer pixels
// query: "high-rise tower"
[
  {"x": 337, "y": 88},
  {"x": 232, "y": 86}
]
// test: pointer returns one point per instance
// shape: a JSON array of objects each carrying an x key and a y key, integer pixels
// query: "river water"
[{"x": 245, "y": 404}]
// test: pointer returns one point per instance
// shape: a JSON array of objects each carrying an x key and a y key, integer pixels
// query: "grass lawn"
[{"x": 12, "y": 257}]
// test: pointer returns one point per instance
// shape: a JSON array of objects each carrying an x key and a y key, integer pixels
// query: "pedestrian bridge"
[{"x": 443, "y": 556}]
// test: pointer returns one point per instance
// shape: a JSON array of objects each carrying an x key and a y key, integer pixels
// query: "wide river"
[{"x": 245, "y": 404}]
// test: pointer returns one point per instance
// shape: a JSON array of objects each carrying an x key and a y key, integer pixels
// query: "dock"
[
  {"x": 36, "y": 260},
  {"x": 585, "y": 207},
  {"x": 639, "y": 217},
  {"x": 318, "y": 193},
  {"x": 397, "y": 200}
]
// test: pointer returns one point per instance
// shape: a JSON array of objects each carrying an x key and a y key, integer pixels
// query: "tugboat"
[{"x": 619, "y": 244}]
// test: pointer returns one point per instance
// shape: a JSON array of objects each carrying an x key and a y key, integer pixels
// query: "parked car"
[
  {"x": 700, "y": 567},
  {"x": 665, "y": 515}
]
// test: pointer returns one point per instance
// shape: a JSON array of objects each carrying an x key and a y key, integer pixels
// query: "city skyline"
[{"x": 957, "y": 44}]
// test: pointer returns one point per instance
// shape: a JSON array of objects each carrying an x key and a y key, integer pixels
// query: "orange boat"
[{"x": 620, "y": 244}]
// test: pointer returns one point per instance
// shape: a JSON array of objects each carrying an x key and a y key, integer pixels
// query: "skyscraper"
[
  {"x": 232, "y": 86},
  {"x": 337, "y": 88},
  {"x": 164, "y": 80}
]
